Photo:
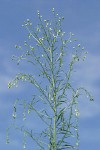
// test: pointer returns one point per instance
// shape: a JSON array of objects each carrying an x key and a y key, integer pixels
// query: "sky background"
[{"x": 82, "y": 17}]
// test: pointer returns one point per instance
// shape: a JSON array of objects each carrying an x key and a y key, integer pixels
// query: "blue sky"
[{"x": 81, "y": 18}]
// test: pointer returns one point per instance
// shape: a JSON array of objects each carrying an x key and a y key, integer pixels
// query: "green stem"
[
  {"x": 55, "y": 118},
  {"x": 54, "y": 98}
]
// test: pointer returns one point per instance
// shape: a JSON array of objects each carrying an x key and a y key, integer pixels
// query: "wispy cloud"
[{"x": 90, "y": 135}]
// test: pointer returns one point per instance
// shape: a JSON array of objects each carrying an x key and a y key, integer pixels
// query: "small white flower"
[
  {"x": 50, "y": 29},
  {"x": 77, "y": 144},
  {"x": 42, "y": 55},
  {"x": 79, "y": 45},
  {"x": 24, "y": 146},
  {"x": 77, "y": 112},
  {"x": 14, "y": 115},
  {"x": 29, "y": 111},
  {"x": 53, "y": 9}
]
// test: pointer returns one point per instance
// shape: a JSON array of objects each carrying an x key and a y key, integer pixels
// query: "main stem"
[
  {"x": 55, "y": 118},
  {"x": 54, "y": 98}
]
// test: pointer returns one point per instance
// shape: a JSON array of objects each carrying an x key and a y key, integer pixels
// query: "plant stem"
[
  {"x": 54, "y": 97},
  {"x": 55, "y": 118}
]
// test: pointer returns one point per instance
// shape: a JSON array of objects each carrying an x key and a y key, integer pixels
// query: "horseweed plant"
[{"x": 52, "y": 57}]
